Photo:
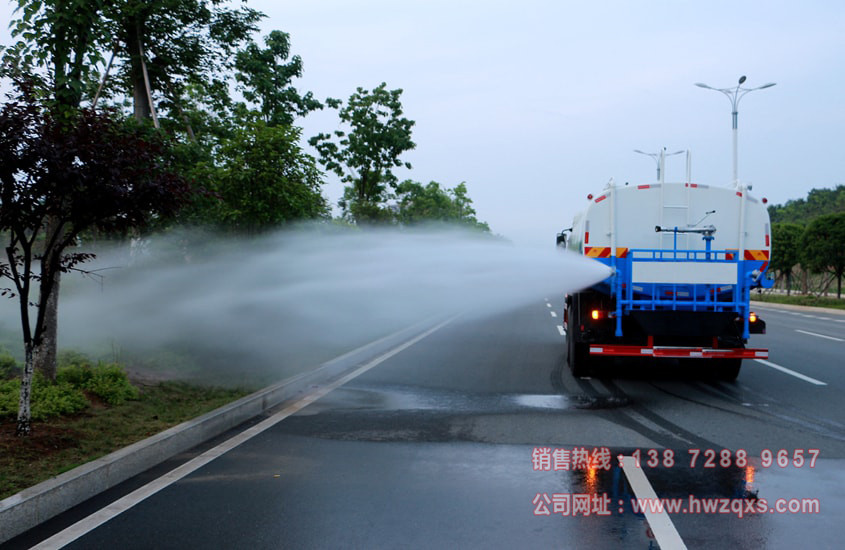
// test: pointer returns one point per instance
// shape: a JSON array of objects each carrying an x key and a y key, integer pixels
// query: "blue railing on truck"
[{"x": 633, "y": 295}]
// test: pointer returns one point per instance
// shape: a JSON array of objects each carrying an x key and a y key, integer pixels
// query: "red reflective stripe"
[
  {"x": 697, "y": 353},
  {"x": 586, "y": 237},
  {"x": 598, "y": 200},
  {"x": 643, "y": 186},
  {"x": 767, "y": 239},
  {"x": 738, "y": 194}
]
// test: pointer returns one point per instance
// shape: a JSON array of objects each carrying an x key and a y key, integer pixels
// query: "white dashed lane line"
[
  {"x": 553, "y": 314},
  {"x": 560, "y": 330},
  {"x": 820, "y": 335},
  {"x": 791, "y": 372}
]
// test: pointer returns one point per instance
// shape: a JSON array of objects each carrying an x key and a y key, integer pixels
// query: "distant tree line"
[
  {"x": 808, "y": 240},
  {"x": 803, "y": 211}
]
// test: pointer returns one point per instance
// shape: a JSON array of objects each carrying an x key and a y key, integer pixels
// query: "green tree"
[
  {"x": 420, "y": 204},
  {"x": 786, "y": 250},
  {"x": 59, "y": 178},
  {"x": 59, "y": 37},
  {"x": 365, "y": 156},
  {"x": 824, "y": 247},
  {"x": 62, "y": 37},
  {"x": 189, "y": 49},
  {"x": 183, "y": 44},
  {"x": 266, "y": 80},
  {"x": 818, "y": 203},
  {"x": 265, "y": 179}
]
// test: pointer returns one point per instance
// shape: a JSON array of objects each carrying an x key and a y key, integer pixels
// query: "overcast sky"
[{"x": 535, "y": 104}]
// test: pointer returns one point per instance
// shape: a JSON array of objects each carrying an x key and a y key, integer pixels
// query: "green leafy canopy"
[{"x": 364, "y": 156}]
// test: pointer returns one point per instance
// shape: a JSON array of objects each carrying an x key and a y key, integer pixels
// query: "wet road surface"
[{"x": 478, "y": 436}]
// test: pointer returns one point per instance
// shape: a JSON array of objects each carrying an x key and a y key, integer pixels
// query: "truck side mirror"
[{"x": 561, "y": 240}]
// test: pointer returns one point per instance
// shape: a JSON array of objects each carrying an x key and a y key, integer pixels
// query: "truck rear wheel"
[
  {"x": 728, "y": 369},
  {"x": 578, "y": 355}
]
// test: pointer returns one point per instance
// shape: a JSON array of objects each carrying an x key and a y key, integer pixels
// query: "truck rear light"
[
  {"x": 596, "y": 314},
  {"x": 752, "y": 317}
]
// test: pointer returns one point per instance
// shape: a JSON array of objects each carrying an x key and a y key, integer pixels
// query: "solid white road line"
[
  {"x": 792, "y": 372},
  {"x": 103, "y": 515},
  {"x": 820, "y": 335},
  {"x": 660, "y": 522}
]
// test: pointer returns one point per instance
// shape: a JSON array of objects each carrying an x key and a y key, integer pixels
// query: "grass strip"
[
  {"x": 61, "y": 444},
  {"x": 800, "y": 300}
]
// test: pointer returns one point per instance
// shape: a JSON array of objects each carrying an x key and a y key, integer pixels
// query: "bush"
[
  {"x": 9, "y": 393},
  {"x": 110, "y": 383},
  {"x": 70, "y": 358},
  {"x": 76, "y": 375},
  {"x": 9, "y": 367},
  {"x": 55, "y": 399},
  {"x": 47, "y": 399}
]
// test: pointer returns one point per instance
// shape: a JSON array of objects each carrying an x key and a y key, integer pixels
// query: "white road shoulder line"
[
  {"x": 820, "y": 335},
  {"x": 791, "y": 372},
  {"x": 119, "y": 506},
  {"x": 660, "y": 522}
]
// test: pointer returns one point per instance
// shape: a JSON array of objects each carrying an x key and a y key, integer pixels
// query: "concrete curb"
[
  {"x": 790, "y": 307},
  {"x": 37, "y": 504}
]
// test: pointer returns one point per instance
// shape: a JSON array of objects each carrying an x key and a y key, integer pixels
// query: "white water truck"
[{"x": 684, "y": 259}]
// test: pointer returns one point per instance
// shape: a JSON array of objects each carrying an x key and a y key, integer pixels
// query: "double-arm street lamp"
[
  {"x": 660, "y": 159},
  {"x": 734, "y": 95}
]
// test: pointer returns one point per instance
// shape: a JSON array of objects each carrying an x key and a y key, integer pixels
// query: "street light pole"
[
  {"x": 734, "y": 95},
  {"x": 660, "y": 159}
]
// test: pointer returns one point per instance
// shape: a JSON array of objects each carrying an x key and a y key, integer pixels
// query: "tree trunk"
[
  {"x": 24, "y": 426},
  {"x": 139, "y": 89},
  {"x": 44, "y": 355},
  {"x": 839, "y": 285},
  {"x": 788, "y": 282}
]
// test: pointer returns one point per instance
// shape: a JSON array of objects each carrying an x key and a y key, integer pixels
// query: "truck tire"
[
  {"x": 577, "y": 355},
  {"x": 728, "y": 369}
]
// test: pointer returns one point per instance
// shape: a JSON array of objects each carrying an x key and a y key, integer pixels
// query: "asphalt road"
[{"x": 468, "y": 437}]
